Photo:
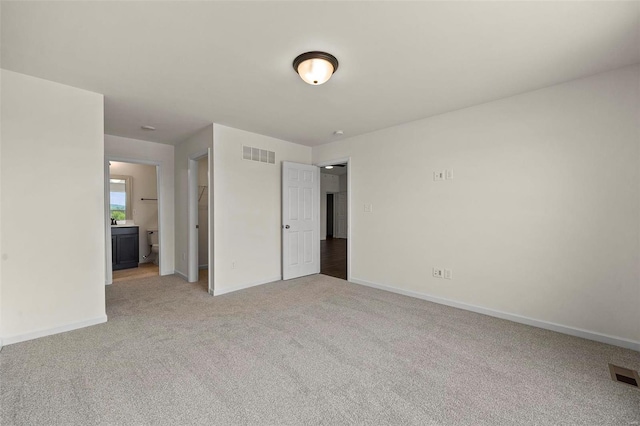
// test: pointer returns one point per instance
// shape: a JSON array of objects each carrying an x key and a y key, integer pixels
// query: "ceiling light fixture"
[
  {"x": 151, "y": 128},
  {"x": 328, "y": 167},
  {"x": 315, "y": 68}
]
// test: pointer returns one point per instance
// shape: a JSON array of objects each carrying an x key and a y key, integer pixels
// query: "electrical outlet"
[
  {"x": 448, "y": 274},
  {"x": 233, "y": 265},
  {"x": 438, "y": 175},
  {"x": 437, "y": 273},
  {"x": 368, "y": 208}
]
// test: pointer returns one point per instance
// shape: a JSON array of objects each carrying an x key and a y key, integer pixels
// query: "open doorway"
[
  {"x": 334, "y": 193},
  {"x": 200, "y": 249},
  {"x": 133, "y": 243},
  {"x": 203, "y": 222},
  {"x": 330, "y": 212}
]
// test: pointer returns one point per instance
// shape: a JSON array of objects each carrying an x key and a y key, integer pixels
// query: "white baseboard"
[
  {"x": 572, "y": 331},
  {"x": 167, "y": 272},
  {"x": 181, "y": 275},
  {"x": 17, "y": 338},
  {"x": 217, "y": 292}
]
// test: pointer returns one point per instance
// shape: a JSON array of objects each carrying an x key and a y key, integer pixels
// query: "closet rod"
[{"x": 148, "y": 199}]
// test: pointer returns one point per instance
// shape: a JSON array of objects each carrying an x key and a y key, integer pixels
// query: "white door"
[
  {"x": 300, "y": 220},
  {"x": 341, "y": 215}
]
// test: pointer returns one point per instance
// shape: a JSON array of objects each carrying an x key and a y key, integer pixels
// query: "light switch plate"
[{"x": 448, "y": 274}]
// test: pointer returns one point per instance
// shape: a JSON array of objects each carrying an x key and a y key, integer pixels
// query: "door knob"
[{"x": 286, "y": 227}]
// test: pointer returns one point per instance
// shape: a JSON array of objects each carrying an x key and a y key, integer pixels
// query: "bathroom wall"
[
  {"x": 203, "y": 210},
  {"x": 145, "y": 213}
]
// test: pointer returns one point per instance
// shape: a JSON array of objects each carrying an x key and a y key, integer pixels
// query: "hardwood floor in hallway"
[{"x": 333, "y": 257}]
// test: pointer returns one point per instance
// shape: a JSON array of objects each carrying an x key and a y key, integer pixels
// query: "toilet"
[{"x": 153, "y": 239}]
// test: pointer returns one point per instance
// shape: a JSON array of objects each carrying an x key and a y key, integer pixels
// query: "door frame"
[
  {"x": 349, "y": 206},
  {"x": 107, "y": 210},
  {"x": 193, "y": 266}
]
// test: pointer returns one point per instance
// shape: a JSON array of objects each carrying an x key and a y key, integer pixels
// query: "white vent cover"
[{"x": 257, "y": 154}]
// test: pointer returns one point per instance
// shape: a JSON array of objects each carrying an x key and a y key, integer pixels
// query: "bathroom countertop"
[{"x": 124, "y": 226}]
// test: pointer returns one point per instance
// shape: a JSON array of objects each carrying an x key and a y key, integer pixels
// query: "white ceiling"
[
  {"x": 179, "y": 66},
  {"x": 335, "y": 171}
]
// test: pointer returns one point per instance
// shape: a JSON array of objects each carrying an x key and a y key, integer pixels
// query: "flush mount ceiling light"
[
  {"x": 328, "y": 167},
  {"x": 150, "y": 128},
  {"x": 315, "y": 68}
]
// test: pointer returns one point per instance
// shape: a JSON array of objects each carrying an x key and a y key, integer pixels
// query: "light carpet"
[{"x": 315, "y": 350}]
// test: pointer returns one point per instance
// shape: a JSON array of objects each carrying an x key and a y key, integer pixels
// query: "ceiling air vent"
[
  {"x": 257, "y": 154},
  {"x": 624, "y": 375}
]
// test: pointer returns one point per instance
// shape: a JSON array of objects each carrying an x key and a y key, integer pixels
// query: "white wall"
[
  {"x": 53, "y": 239},
  {"x": 1, "y": 180},
  {"x": 203, "y": 212},
  {"x": 199, "y": 142},
  {"x": 541, "y": 219},
  {"x": 145, "y": 213},
  {"x": 329, "y": 184},
  {"x": 248, "y": 208},
  {"x": 125, "y": 149},
  {"x": 342, "y": 183}
]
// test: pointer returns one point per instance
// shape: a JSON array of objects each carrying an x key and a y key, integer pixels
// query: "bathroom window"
[{"x": 120, "y": 197}]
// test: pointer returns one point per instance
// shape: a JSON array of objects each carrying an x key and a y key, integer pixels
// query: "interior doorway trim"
[
  {"x": 348, "y": 161},
  {"x": 107, "y": 210},
  {"x": 193, "y": 268}
]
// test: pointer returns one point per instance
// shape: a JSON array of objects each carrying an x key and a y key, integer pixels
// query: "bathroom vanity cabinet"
[{"x": 125, "y": 247}]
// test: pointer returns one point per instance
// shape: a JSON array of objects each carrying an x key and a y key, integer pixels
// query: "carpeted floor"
[{"x": 314, "y": 350}]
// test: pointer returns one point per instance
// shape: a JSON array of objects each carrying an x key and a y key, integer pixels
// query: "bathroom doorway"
[
  {"x": 200, "y": 247},
  {"x": 132, "y": 217}
]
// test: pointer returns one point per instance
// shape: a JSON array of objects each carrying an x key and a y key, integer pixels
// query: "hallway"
[{"x": 333, "y": 257}]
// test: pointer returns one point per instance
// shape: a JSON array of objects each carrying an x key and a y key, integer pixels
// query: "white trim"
[
  {"x": 244, "y": 286},
  {"x": 210, "y": 223},
  {"x": 171, "y": 272},
  {"x": 572, "y": 331},
  {"x": 17, "y": 338},
  {"x": 181, "y": 275},
  {"x": 108, "y": 259},
  {"x": 192, "y": 213},
  {"x": 349, "y": 207}
]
